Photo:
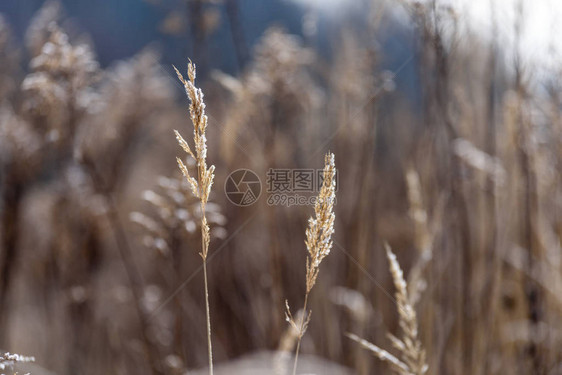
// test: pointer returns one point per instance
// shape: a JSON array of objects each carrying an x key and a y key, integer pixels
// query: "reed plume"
[
  {"x": 318, "y": 243},
  {"x": 201, "y": 187},
  {"x": 412, "y": 359},
  {"x": 173, "y": 216}
]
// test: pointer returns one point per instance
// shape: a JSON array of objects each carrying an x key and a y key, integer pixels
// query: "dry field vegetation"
[{"x": 438, "y": 252}]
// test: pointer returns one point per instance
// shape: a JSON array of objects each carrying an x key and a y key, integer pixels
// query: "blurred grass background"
[{"x": 446, "y": 131}]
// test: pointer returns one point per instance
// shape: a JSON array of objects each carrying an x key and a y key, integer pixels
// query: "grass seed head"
[{"x": 321, "y": 227}]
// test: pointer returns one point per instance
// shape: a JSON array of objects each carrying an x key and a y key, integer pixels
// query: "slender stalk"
[
  {"x": 300, "y": 335},
  {"x": 126, "y": 254},
  {"x": 209, "y": 344},
  {"x": 135, "y": 283},
  {"x": 205, "y": 248},
  {"x": 12, "y": 194}
]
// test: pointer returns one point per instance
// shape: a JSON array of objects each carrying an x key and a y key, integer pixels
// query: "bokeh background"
[{"x": 445, "y": 120}]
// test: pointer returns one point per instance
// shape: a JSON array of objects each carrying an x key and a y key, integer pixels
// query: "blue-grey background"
[{"x": 120, "y": 28}]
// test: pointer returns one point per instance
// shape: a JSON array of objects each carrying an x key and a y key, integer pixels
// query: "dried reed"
[
  {"x": 412, "y": 359},
  {"x": 201, "y": 187},
  {"x": 423, "y": 237},
  {"x": 318, "y": 243}
]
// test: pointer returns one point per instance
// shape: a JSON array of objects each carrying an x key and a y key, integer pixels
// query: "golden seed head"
[
  {"x": 200, "y": 186},
  {"x": 321, "y": 227}
]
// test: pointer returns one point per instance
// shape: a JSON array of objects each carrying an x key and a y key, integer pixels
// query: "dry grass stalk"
[
  {"x": 423, "y": 236},
  {"x": 318, "y": 243},
  {"x": 286, "y": 346},
  {"x": 201, "y": 187},
  {"x": 397, "y": 365},
  {"x": 479, "y": 160},
  {"x": 412, "y": 359}
]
